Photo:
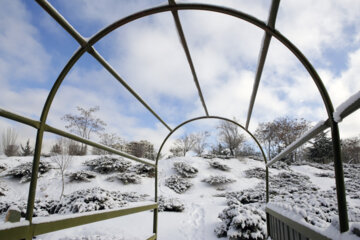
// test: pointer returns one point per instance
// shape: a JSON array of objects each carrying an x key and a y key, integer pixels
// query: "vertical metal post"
[
  {"x": 156, "y": 210},
  {"x": 267, "y": 183},
  {"x": 34, "y": 174},
  {"x": 339, "y": 178}
]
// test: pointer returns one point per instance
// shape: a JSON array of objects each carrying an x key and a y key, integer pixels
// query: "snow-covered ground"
[{"x": 203, "y": 202}]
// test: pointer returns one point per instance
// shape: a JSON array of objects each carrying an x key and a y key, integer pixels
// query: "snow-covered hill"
[{"x": 305, "y": 186}]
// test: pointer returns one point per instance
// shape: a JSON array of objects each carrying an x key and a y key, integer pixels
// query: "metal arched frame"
[
  {"x": 197, "y": 119},
  {"x": 87, "y": 46}
]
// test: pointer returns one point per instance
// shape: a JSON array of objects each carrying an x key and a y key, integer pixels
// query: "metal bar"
[
  {"x": 94, "y": 144},
  {"x": 349, "y": 109},
  {"x": 303, "y": 139},
  {"x": 297, "y": 226},
  {"x": 82, "y": 41},
  {"x": 210, "y": 117},
  {"x": 112, "y": 71},
  {"x": 153, "y": 237},
  {"x": 86, "y": 218},
  {"x": 262, "y": 57},
  {"x": 20, "y": 231},
  {"x": 50, "y": 224},
  {"x": 339, "y": 178},
  {"x": 18, "y": 118},
  {"x": 62, "y": 21},
  {"x": 187, "y": 53}
]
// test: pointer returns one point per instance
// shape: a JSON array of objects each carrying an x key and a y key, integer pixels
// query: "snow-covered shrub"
[
  {"x": 143, "y": 170},
  {"x": 3, "y": 189},
  {"x": 218, "y": 180},
  {"x": 256, "y": 173},
  {"x": 127, "y": 178},
  {"x": 290, "y": 182},
  {"x": 178, "y": 184},
  {"x": 170, "y": 205},
  {"x": 107, "y": 164},
  {"x": 130, "y": 196},
  {"x": 242, "y": 222},
  {"x": 3, "y": 167},
  {"x": 23, "y": 171},
  {"x": 185, "y": 170},
  {"x": 220, "y": 166},
  {"x": 81, "y": 176},
  {"x": 251, "y": 195},
  {"x": 325, "y": 174},
  {"x": 280, "y": 165},
  {"x": 88, "y": 200}
]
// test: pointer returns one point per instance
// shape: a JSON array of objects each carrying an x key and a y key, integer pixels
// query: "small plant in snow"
[
  {"x": 256, "y": 173},
  {"x": 23, "y": 171},
  {"x": 185, "y": 170},
  {"x": 143, "y": 170},
  {"x": 3, "y": 167},
  {"x": 280, "y": 166},
  {"x": 170, "y": 205},
  {"x": 3, "y": 189},
  {"x": 62, "y": 162},
  {"x": 107, "y": 164},
  {"x": 127, "y": 178},
  {"x": 242, "y": 222},
  {"x": 218, "y": 180},
  {"x": 178, "y": 184},
  {"x": 325, "y": 174},
  {"x": 81, "y": 176},
  {"x": 220, "y": 166}
]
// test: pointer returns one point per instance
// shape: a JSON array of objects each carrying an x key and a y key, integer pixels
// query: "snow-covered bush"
[
  {"x": 218, "y": 180},
  {"x": 256, "y": 173},
  {"x": 23, "y": 171},
  {"x": 290, "y": 182},
  {"x": 81, "y": 176},
  {"x": 280, "y": 165},
  {"x": 107, "y": 164},
  {"x": 127, "y": 178},
  {"x": 88, "y": 200},
  {"x": 220, "y": 166},
  {"x": 170, "y": 205},
  {"x": 185, "y": 170},
  {"x": 3, "y": 167},
  {"x": 242, "y": 222},
  {"x": 251, "y": 195},
  {"x": 143, "y": 170},
  {"x": 3, "y": 189},
  {"x": 325, "y": 174},
  {"x": 178, "y": 184}
]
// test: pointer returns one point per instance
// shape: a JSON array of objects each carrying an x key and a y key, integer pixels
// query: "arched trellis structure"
[{"x": 30, "y": 228}]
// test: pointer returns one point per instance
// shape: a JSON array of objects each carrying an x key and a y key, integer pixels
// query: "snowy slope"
[{"x": 197, "y": 221}]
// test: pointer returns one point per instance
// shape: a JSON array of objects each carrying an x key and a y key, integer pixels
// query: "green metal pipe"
[
  {"x": 188, "y": 55},
  {"x": 262, "y": 57},
  {"x": 18, "y": 118}
]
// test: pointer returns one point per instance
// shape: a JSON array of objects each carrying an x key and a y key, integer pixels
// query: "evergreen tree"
[
  {"x": 26, "y": 151},
  {"x": 321, "y": 150}
]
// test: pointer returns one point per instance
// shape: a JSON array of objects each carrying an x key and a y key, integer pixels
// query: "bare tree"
[
  {"x": 62, "y": 161},
  {"x": 111, "y": 140},
  {"x": 280, "y": 133},
  {"x": 200, "y": 142},
  {"x": 84, "y": 124},
  {"x": 230, "y": 136},
  {"x": 183, "y": 145},
  {"x": 8, "y": 144},
  {"x": 26, "y": 151},
  {"x": 351, "y": 150}
]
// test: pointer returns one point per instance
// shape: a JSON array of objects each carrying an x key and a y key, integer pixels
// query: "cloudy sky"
[{"x": 147, "y": 54}]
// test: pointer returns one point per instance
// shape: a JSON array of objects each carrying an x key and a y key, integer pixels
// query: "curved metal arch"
[
  {"x": 196, "y": 119},
  {"x": 209, "y": 117},
  {"x": 205, "y": 7}
]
